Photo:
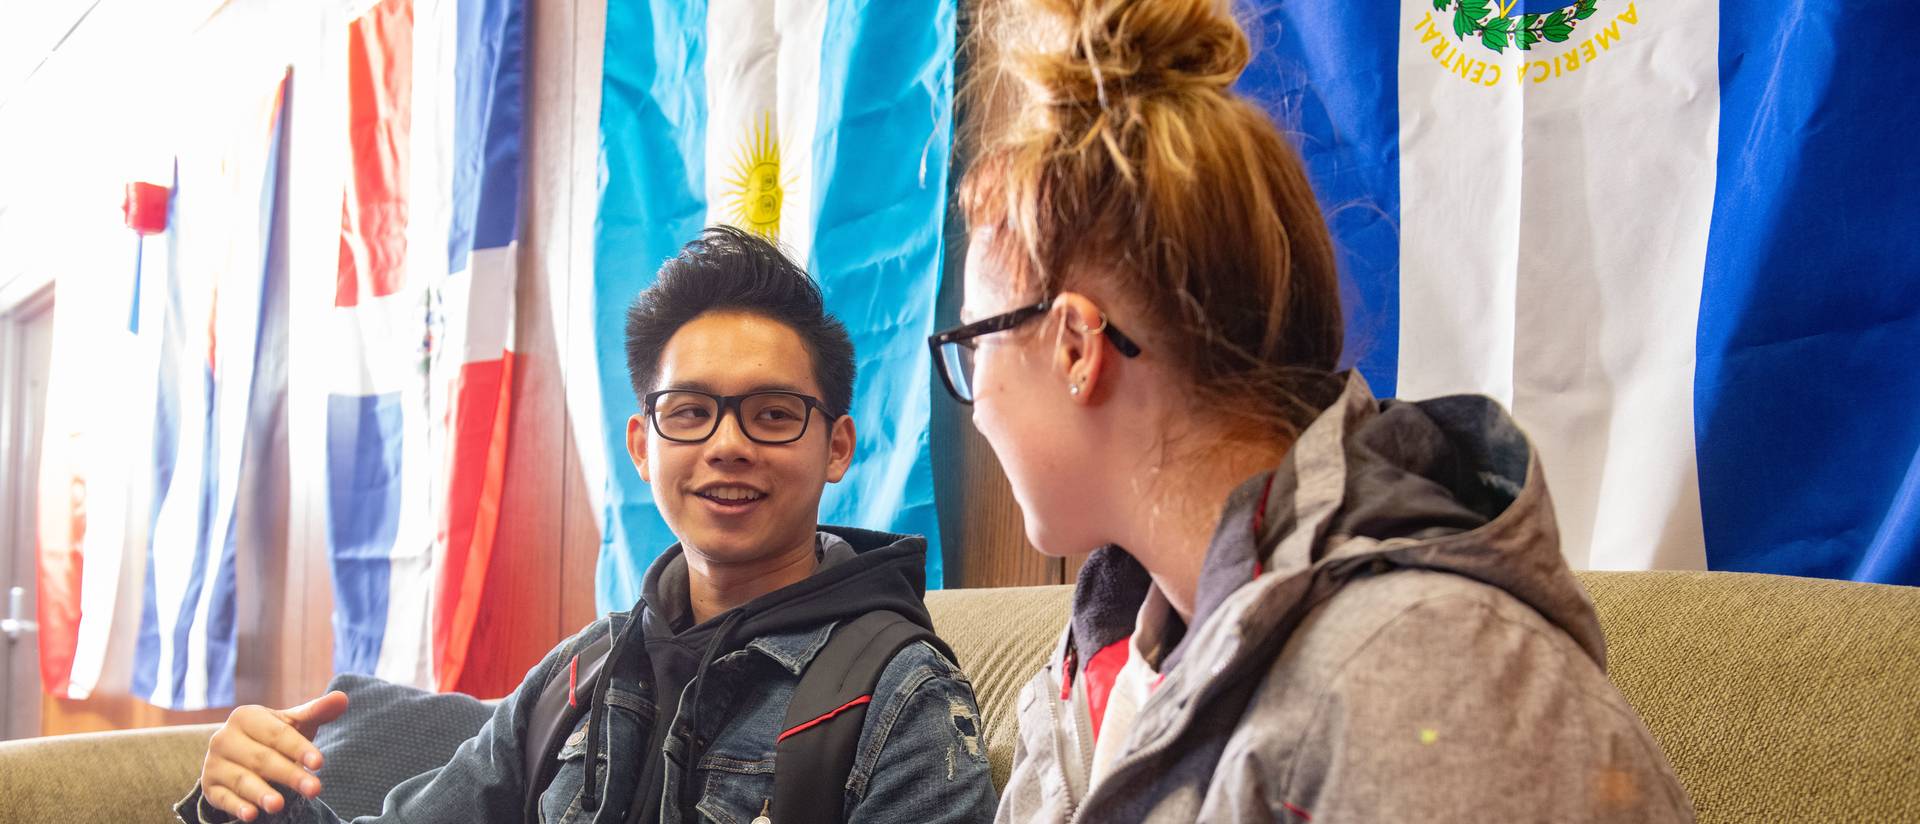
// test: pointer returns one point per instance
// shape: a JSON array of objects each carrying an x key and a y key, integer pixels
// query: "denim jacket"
[{"x": 921, "y": 755}]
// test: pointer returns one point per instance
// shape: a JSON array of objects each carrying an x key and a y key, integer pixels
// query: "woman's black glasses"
[{"x": 953, "y": 349}]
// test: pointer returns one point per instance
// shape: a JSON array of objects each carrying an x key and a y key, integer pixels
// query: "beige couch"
[{"x": 1777, "y": 699}]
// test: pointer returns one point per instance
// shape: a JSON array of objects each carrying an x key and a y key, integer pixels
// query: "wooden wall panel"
[
  {"x": 579, "y": 548},
  {"x": 984, "y": 532},
  {"x": 314, "y": 644},
  {"x": 578, "y": 187},
  {"x": 59, "y": 716},
  {"x": 580, "y": 534}
]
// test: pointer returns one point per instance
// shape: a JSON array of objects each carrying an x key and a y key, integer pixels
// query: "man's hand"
[{"x": 258, "y": 745}]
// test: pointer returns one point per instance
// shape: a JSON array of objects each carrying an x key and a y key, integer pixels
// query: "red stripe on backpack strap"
[
  {"x": 573, "y": 680},
  {"x": 810, "y": 724},
  {"x": 1260, "y": 510}
]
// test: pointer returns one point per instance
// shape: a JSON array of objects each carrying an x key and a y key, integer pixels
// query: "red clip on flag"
[{"x": 146, "y": 207}]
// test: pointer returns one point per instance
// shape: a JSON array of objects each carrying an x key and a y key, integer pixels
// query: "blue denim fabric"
[{"x": 921, "y": 755}]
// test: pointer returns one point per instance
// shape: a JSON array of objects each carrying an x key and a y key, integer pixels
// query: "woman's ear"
[
  {"x": 840, "y": 443},
  {"x": 1079, "y": 355}
]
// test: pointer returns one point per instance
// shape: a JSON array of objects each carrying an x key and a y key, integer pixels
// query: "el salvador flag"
[
  {"x": 824, "y": 124},
  {"x": 220, "y": 385},
  {"x": 1677, "y": 239},
  {"x": 422, "y": 334}
]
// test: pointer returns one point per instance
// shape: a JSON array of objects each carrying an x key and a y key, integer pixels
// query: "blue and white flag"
[
  {"x": 1677, "y": 239},
  {"x": 824, "y": 124},
  {"x": 220, "y": 278}
]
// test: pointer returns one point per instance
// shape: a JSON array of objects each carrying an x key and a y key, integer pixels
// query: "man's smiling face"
[{"x": 731, "y": 500}]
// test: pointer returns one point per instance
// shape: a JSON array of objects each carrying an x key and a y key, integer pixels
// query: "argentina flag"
[
  {"x": 1676, "y": 239},
  {"x": 823, "y": 124}
]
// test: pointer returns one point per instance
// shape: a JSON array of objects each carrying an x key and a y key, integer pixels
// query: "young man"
[{"x": 744, "y": 383}]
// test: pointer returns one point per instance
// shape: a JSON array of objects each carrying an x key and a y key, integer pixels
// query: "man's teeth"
[{"x": 731, "y": 495}]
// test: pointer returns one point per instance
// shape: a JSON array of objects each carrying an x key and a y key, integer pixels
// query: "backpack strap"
[
  {"x": 815, "y": 750},
  {"x": 561, "y": 704}
]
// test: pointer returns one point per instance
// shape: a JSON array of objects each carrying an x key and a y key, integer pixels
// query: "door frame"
[{"x": 24, "y": 299}]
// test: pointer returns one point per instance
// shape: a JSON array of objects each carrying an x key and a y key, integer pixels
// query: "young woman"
[{"x": 1308, "y": 604}]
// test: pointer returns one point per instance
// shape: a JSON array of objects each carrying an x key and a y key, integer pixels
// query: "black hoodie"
[{"x": 860, "y": 571}]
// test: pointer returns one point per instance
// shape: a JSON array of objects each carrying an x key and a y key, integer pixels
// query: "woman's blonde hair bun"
[{"x": 1101, "y": 52}]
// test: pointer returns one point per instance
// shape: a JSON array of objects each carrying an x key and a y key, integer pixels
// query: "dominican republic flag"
[
  {"x": 1677, "y": 239},
  {"x": 220, "y": 280},
  {"x": 420, "y": 382},
  {"x": 823, "y": 124}
]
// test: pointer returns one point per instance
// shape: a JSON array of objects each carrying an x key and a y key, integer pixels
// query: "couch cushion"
[
  {"x": 390, "y": 733},
  {"x": 1776, "y": 698},
  {"x": 131, "y": 776}
]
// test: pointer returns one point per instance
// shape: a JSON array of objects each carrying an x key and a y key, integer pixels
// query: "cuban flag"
[
  {"x": 823, "y": 124},
  {"x": 93, "y": 501},
  {"x": 220, "y": 281},
  {"x": 1676, "y": 239},
  {"x": 419, "y": 388}
]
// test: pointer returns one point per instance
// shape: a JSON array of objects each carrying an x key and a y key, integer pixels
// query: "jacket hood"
[
  {"x": 860, "y": 571},
  {"x": 1449, "y": 484}
]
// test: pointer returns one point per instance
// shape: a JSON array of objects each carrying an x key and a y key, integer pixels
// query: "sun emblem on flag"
[
  {"x": 755, "y": 189},
  {"x": 1498, "y": 24}
]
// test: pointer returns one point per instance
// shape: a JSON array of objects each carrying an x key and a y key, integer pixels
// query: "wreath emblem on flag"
[{"x": 1494, "y": 23}]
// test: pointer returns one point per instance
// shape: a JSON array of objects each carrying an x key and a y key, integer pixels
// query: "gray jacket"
[{"x": 1385, "y": 630}]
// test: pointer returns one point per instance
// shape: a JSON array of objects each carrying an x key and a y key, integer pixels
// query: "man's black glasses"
[{"x": 691, "y": 416}]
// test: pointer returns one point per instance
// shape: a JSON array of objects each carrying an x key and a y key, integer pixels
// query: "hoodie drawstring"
[
  {"x": 720, "y": 641},
  {"x": 597, "y": 720}
]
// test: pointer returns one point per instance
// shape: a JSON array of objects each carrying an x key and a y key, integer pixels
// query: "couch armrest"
[{"x": 132, "y": 776}]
